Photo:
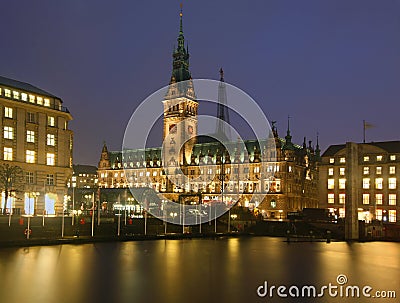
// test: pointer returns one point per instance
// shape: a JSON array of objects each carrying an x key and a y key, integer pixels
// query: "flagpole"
[{"x": 363, "y": 131}]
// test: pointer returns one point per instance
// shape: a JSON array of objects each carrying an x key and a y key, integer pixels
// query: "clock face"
[{"x": 190, "y": 130}]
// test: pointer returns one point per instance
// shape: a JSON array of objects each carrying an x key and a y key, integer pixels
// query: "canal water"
[{"x": 199, "y": 270}]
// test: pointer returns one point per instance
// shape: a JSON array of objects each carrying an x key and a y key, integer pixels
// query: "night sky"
[{"x": 327, "y": 64}]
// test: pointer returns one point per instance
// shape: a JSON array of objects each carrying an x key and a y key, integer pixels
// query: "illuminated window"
[
  {"x": 51, "y": 121},
  {"x": 8, "y": 112},
  {"x": 392, "y": 157},
  {"x": 379, "y": 199},
  {"x": 39, "y": 100},
  {"x": 366, "y": 170},
  {"x": 378, "y": 170},
  {"x": 50, "y": 179},
  {"x": 147, "y": 174},
  {"x": 30, "y": 156},
  {"x": 392, "y": 170},
  {"x": 8, "y": 132},
  {"x": 378, "y": 214},
  {"x": 365, "y": 198},
  {"x": 256, "y": 169},
  {"x": 331, "y": 160},
  {"x": 16, "y": 95},
  {"x": 342, "y": 183},
  {"x": 342, "y": 198},
  {"x": 342, "y": 212},
  {"x": 155, "y": 173},
  {"x": 366, "y": 158},
  {"x": 330, "y": 172},
  {"x": 24, "y": 97},
  {"x": 342, "y": 160},
  {"x": 392, "y": 199},
  {"x": 7, "y": 93},
  {"x": 392, "y": 183},
  {"x": 378, "y": 183},
  {"x": 30, "y": 136},
  {"x": 8, "y": 153},
  {"x": 32, "y": 98},
  {"x": 331, "y": 198},
  {"x": 50, "y": 159},
  {"x": 392, "y": 215},
  {"x": 366, "y": 183},
  {"x": 290, "y": 169},
  {"x": 46, "y": 102},
  {"x": 331, "y": 183},
  {"x": 341, "y": 171},
  {"x": 379, "y": 158},
  {"x": 51, "y": 140}
]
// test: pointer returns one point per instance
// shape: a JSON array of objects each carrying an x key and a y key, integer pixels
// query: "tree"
[{"x": 10, "y": 176}]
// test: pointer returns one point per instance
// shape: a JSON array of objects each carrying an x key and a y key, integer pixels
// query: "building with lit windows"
[
  {"x": 291, "y": 185},
  {"x": 376, "y": 169},
  {"x": 36, "y": 138},
  {"x": 82, "y": 186}
]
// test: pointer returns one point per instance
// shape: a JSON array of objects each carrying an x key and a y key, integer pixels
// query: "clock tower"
[{"x": 180, "y": 109}]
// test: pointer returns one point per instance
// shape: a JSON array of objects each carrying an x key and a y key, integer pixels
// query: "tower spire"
[
  {"x": 222, "y": 131},
  {"x": 288, "y": 138}
]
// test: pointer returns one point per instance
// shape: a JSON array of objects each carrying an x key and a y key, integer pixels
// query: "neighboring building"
[
  {"x": 293, "y": 177},
  {"x": 35, "y": 137},
  {"x": 376, "y": 169},
  {"x": 82, "y": 186}
]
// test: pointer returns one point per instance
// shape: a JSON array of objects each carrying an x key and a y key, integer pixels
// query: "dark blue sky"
[{"x": 328, "y": 64}]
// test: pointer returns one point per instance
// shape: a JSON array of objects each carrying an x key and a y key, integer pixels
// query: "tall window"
[
  {"x": 366, "y": 183},
  {"x": 365, "y": 198},
  {"x": 392, "y": 183},
  {"x": 342, "y": 198},
  {"x": 24, "y": 97},
  {"x": 392, "y": 199},
  {"x": 50, "y": 159},
  {"x": 8, "y": 132},
  {"x": 31, "y": 117},
  {"x": 331, "y": 183},
  {"x": 378, "y": 214},
  {"x": 30, "y": 136},
  {"x": 331, "y": 198},
  {"x": 50, "y": 139},
  {"x": 392, "y": 170},
  {"x": 32, "y": 98},
  {"x": 8, "y": 112},
  {"x": 29, "y": 177},
  {"x": 8, "y": 153},
  {"x": 378, "y": 199},
  {"x": 341, "y": 171},
  {"x": 16, "y": 95},
  {"x": 51, "y": 121},
  {"x": 46, "y": 102},
  {"x": 30, "y": 156},
  {"x": 378, "y": 183},
  {"x": 50, "y": 179},
  {"x": 330, "y": 171},
  {"x": 342, "y": 183},
  {"x": 392, "y": 215}
]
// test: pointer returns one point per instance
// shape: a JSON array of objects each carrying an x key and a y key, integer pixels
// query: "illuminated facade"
[
  {"x": 35, "y": 137},
  {"x": 292, "y": 169},
  {"x": 375, "y": 177}
]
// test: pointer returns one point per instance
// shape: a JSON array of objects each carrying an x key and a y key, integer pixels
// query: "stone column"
[{"x": 352, "y": 181}]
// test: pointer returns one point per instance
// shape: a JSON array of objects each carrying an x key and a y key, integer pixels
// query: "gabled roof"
[
  {"x": 84, "y": 169},
  {"x": 24, "y": 86},
  {"x": 333, "y": 149}
]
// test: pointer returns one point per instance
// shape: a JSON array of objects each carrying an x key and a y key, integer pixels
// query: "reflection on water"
[{"x": 201, "y": 270}]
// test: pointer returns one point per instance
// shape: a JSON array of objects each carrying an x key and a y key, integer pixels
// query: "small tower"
[{"x": 104, "y": 162}]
